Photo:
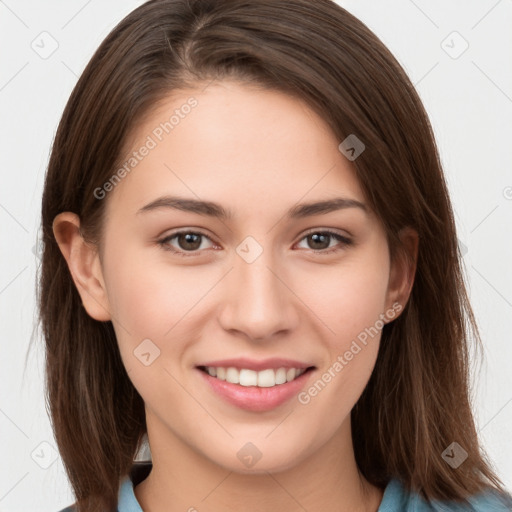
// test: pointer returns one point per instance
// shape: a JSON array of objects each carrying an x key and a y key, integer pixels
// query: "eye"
[
  {"x": 188, "y": 242},
  {"x": 319, "y": 239}
]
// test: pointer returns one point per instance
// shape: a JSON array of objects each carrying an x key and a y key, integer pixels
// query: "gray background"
[{"x": 467, "y": 93}]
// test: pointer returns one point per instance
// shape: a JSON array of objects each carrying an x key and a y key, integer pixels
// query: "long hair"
[{"x": 417, "y": 401}]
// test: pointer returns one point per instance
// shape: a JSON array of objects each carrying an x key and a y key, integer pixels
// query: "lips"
[{"x": 256, "y": 385}]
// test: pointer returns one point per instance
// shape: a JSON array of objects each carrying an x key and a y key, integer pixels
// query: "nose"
[{"x": 258, "y": 301}]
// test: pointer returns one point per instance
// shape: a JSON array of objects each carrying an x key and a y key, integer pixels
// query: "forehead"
[{"x": 236, "y": 144}]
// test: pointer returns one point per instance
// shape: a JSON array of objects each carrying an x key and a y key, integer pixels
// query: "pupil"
[
  {"x": 315, "y": 238},
  {"x": 188, "y": 239}
]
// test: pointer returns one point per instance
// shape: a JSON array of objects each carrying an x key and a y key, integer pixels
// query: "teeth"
[
  {"x": 232, "y": 375},
  {"x": 281, "y": 376},
  {"x": 263, "y": 379},
  {"x": 266, "y": 378}
]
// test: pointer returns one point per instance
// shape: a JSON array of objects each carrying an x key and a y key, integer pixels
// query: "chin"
[{"x": 260, "y": 457}]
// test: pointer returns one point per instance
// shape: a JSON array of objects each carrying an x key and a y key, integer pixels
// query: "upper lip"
[{"x": 251, "y": 364}]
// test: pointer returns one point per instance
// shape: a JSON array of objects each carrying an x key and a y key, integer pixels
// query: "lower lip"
[{"x": 254, "y": 398}]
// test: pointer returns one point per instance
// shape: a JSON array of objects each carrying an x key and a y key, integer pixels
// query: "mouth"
[
  {"x": 263, "y": 387},
  {"x": 267, "y": 378}
]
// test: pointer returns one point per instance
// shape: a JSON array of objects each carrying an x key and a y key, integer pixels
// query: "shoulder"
[
  {"x": 126, "y": 497},
  {"x": 397, "y": 499},
  {"x": 491, "y": 501}
]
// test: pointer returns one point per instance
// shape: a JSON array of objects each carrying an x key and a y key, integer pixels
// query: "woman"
[{"x": 250, "y": 256}]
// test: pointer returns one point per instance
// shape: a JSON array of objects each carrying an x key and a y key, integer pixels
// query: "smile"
[{"x": 256, "y": 389}]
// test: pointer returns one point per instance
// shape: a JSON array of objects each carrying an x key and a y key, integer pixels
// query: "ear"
[
  {"x": 403, "y": 269},
  {"x": 84, "y": 265}
]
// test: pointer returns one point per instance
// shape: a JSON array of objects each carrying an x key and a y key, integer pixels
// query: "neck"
[{"x": 182, "y": 479}]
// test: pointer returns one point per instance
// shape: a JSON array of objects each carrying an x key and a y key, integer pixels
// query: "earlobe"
[
  {"x": 403, "y": 269},
  {"x": 84, "y": 265}
]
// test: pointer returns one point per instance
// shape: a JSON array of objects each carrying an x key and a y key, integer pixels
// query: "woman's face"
[{"x": 262, "y": 289}]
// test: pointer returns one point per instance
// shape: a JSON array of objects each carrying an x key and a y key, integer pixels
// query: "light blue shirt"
[{"x": 395, "y": 499}]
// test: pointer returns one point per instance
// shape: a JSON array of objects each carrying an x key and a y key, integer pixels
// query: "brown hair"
[{"x": 417, "y": 401}]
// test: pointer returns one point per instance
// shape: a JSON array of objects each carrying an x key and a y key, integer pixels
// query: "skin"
[{"x": 258, "y": 153}]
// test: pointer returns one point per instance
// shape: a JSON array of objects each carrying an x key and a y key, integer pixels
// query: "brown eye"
[
  {"x": 321, "y": 241},
  {"x": 189, "y": 241},
  {"x": 318, "y": 240},
  {"x": 186, "y": 242}
]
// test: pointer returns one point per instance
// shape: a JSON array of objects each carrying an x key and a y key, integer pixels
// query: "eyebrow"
[{"x": 211, "y": 209}]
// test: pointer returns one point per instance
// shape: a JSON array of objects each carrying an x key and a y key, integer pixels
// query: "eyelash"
[{"x": 164, "y": 243}]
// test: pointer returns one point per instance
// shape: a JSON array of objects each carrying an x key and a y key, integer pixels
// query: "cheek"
[
  {"x": 348, "y": 298},
  {"x": 156, "y": 309},
  {"x": 149, "y": 297},
  {"x": 361, "y": 300},
  {"x": 350, "y": 303}
]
